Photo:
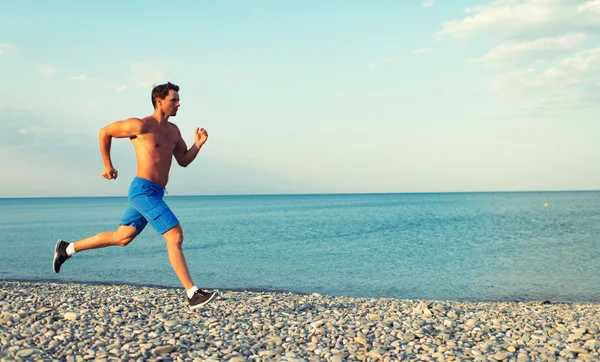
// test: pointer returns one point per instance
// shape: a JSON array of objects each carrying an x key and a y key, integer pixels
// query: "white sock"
[
  {"x": 190, "y": 292},
  {"x": 70, "y": 249}
]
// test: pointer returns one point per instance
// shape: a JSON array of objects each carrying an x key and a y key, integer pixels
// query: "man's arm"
[
  {"x": 120, "y": 129},
  {"x": 184, "y": 156}
]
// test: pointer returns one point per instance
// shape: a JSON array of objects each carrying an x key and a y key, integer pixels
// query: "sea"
[{"x": 497, "y": 246}]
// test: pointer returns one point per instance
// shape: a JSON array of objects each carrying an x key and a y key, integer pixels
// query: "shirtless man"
[{"x": 156, "y": 141}]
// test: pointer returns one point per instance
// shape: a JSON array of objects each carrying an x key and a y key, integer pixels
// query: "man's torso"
[{"x": 154, "y": 150}]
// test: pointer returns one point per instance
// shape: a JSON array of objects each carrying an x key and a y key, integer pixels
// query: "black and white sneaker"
[
  {"x": 201, "y": 298},
  {"x": 60, "y": 255}
]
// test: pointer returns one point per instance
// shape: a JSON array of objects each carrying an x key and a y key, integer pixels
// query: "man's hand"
[
  {"x": 110, "y": 173},
  {"x": 200, "y": 136}
]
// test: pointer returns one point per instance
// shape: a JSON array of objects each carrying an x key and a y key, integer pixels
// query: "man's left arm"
[{"x": 185, "y": 156}]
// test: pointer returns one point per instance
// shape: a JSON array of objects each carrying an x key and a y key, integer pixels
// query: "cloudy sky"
[{"x": 307, "y": 96}]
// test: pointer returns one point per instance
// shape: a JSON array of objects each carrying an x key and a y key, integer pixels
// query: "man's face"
[{"x": 171, "y": 103}]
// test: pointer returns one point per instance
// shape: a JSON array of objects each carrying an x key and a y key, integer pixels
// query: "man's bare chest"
[{"x": 159, "y": 141}]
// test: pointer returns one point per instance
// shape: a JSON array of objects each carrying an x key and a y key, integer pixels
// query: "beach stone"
[
  {"x": 501, "y": 356},
  {"x": 409, "y": 336},
  {"x": 374, "y": 317},
  {"x": 163, "y": 350},
  {"x": 318, "y": 323},
  {"x": 452, "y": 314},
  {"x": 591, "y": 344},
  {"x": 27, "y": 352},
  {"x": 306, "y": 306},
  {"x": 361, "y": 338},
  {"x": 71, "y": 316}
]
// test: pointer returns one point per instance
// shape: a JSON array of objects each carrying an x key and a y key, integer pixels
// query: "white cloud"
[
  {"x": 144, "y": 75},
  {"x": 515, "y": 52},
  {"x": 574, "y": 81},
  {"x": 539, "y": 47},
  {"x": 382, "y": 63},
  {"x": 259, "y": 11},
  {"x": 592, "y": 5},
  {"x": 36, "y": 130},
  {"x": 507, "y": 18},
  {"x": 515, "y": 81},
  {"x": 420, "y": 51},
  {"x": 47, "y": 70},
  {"x": 117, "y": 87},
  {"x": 582, "y": 68},
  {"x": 4, "y": 47},
  {"x": 81, "y": 78},
  {"x": 428, "y": 3},
  {"x": 141, "y": 76}
]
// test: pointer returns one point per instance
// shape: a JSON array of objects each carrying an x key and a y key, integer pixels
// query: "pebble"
[
  {"x": 163, "y": 350},
  {"x": 75, "y": 322},
  {"x": 71, "y": 316}
]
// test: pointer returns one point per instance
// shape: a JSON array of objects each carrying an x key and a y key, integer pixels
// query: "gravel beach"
[{"x": 80, "y": 322}]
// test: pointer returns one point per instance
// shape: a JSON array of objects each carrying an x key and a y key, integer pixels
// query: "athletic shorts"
[{"x": 147, "y": 206}]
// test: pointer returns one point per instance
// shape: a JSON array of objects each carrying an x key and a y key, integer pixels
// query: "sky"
[{"x": 306, "y": 96}]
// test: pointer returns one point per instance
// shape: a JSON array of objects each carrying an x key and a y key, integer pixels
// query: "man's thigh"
[
  {"x": 132, "y": 217},
  {"x": 156, "y": 212}
]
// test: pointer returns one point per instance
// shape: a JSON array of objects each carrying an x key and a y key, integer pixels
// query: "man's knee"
[
  {"x": 124, "y": 235},
  {"x": 174, "y": 236}
]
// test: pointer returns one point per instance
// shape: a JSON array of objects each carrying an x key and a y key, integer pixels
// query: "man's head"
[{"x": 166, "y": 97}]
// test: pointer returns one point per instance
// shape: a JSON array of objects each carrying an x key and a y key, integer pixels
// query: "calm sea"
[{"x": 455, "y": 246}]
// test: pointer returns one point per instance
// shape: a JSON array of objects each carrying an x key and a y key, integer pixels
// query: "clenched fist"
[
  {"x": 200, "y": 136},
  {"x": 110, "y": 173}
]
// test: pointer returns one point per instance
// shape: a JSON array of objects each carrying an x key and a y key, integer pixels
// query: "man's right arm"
[{"x": 120, "y": 129}]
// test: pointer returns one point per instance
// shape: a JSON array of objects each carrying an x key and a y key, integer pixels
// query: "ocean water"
[{"x": 521, "y": 246}]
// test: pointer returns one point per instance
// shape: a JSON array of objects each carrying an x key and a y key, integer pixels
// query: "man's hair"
[{"x": 162, "y": 91}]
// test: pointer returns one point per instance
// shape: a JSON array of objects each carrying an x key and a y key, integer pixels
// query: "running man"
[{"x": 156, "y": 141}]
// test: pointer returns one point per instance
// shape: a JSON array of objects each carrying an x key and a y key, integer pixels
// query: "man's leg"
[
  {"x": 131, "y": 225},
  {"x": 174, "y": 239},
  {"x": 120, "y": 237}
]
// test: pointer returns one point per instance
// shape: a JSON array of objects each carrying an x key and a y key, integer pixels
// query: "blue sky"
[{"x": 306, "y": 96}]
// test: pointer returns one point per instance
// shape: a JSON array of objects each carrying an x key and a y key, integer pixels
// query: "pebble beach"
[{"x": 81, "y": 322}]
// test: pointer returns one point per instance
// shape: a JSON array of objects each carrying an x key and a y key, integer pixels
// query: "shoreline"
[
  {"x": 79, "y": 322},
  {"x": 288, "y": 291},
  {"x": 144, "y": 285}
]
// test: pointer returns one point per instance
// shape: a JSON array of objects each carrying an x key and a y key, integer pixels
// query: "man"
[{"x": 156, "y": 141}]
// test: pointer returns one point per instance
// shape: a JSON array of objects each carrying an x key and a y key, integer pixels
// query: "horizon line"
[{"x": 313, "y": 194}]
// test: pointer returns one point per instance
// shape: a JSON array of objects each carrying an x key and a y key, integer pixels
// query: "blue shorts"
[{"x": 147, "y": 206}]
